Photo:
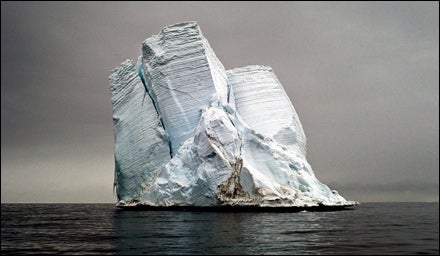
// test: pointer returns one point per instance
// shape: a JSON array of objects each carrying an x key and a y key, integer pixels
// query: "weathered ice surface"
[
  {"x": 183, "y": 75},
  {"x": 140, "y": 143},
  {"x": 189, "y": 133},
  {"x": 265, "y": 107}
]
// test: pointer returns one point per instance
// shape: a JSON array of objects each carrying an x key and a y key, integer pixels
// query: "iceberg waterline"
[{"x": 190, "y": 133}]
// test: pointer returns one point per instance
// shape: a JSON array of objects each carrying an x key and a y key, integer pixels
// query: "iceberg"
[{"x": 189, "y": 133}]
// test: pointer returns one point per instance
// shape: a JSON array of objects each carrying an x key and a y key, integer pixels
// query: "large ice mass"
[{"x": 190, "y": 133}]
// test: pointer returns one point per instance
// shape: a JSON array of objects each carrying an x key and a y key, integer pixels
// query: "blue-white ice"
[
  {"x": 141, "y": 146},
  {"x": 183, "y": 74},
  {"x": 189, "y": 133},
  {"x": 258, "y": 88}
]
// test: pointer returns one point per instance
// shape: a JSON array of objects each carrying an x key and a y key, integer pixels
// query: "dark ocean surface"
[{"x": 371, "y": 228}]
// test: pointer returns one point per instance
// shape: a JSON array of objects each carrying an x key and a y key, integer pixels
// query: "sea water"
[{"x": 371, "y": 228}]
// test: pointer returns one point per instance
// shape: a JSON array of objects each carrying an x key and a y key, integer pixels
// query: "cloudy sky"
[{"x": 363, "y": 77}]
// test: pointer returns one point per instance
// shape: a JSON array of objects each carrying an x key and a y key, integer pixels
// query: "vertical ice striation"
[
  {"x": 140, "y": 143},
  {"x": 184, "y": 76},
  {"x": 189, "y": 133}
]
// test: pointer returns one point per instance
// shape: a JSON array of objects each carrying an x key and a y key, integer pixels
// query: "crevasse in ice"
[{"x": 190, "y": 133}]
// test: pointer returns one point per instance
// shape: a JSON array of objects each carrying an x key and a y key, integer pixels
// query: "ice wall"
[
  {"x": 184, "y": 75},
  {"x": 265, "y": 107},
  {"x": 141, "y": 146}
]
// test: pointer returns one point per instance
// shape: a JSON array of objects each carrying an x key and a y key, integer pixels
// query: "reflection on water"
[
  {"x": 370, "y": 229},
  {"x": 388, "y": 228},
  {"x": 219, "y": 233}
]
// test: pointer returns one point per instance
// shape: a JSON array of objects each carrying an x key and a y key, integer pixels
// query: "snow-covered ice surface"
[{"x": 189, "y": 133}]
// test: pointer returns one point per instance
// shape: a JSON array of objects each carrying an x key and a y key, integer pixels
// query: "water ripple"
[{"x": 396, "y": 228}]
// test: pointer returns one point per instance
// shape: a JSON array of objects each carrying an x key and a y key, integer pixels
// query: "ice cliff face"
[
  {"x": 141, "y": 146},
  {"x": 189, "y": 133}
]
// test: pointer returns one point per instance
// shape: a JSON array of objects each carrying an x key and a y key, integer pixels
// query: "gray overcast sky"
[{"x": 363, "y": 77}]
